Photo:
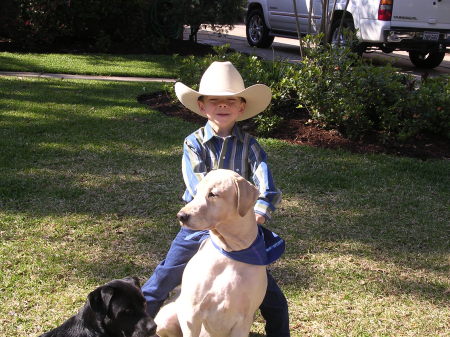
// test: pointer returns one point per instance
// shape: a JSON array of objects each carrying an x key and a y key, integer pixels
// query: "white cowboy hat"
[{"x": 223, "y": 79}]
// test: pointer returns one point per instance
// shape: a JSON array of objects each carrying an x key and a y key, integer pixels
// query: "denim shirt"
[{"x": 204, "y": 151}]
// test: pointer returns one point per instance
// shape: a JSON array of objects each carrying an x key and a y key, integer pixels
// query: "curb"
[{"x": 84, "y": 77}]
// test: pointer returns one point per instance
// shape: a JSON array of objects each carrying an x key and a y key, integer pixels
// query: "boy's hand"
[{"x": 260, "y": 219}]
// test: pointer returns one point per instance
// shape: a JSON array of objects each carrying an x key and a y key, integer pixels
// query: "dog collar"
[{"x": 267, "y": 248}]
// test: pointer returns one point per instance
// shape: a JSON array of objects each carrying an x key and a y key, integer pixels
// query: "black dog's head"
[{"x": 119, "y": 309}]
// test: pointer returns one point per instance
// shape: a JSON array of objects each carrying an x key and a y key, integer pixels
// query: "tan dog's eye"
[{"x": 212, "y": 195}]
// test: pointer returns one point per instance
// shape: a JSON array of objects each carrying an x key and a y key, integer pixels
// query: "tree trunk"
[
  {"x": 330, "y": 22},
  {"x": 193, "y": 34},
  {"x": 311, "y": 4},
  {"x": 323, "y": 22},
  {"x": 342, "y": 21},
  {"x": 298, "y": 28}
]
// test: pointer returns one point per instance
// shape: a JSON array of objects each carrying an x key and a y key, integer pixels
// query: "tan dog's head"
[{"x": 222, "y": 197}]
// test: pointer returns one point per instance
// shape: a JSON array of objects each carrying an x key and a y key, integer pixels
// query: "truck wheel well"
[
  {"x": 254, "y": 6},
  {"x": 338, "y": 15}
]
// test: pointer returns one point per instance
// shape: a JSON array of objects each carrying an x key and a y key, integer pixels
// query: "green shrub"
[
  {"x": 424, "y": 111},
  {"x": 266, "y": 123},
  {"x": 113, "y": 25},
  {"x": 342, "y": 91},
  {"x": 93, "y": 24},
  {"x": 38, "y": 23},
  {"x": 339, "y": 91}
]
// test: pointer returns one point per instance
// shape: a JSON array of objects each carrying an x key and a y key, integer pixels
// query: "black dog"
[{"x": 115, "y": 309}]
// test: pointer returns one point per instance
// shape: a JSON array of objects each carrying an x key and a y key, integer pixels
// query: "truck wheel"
[
  {"x": 341, "y": 39},
  {"x": 257, "y": 31},
  {"x": 425, "y": 60}
]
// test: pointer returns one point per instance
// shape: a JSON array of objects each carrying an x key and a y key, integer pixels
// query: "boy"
[{"x": 223, "y": 99}]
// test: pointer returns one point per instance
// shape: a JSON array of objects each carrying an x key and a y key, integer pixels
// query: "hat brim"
[{"x": 257, "y": 97}]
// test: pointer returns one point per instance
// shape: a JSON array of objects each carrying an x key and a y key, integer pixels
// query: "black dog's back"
[
  {"x": 115, "y": 309},
  {"x": 72, "y": 327}
]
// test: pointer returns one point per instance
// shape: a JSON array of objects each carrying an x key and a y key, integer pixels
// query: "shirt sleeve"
[
  {"x": 193, "y": 168},
  {"x": 269, "y": 196}
]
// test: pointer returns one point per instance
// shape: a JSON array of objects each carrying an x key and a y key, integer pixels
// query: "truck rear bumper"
[
  {"x": 414, "y": 39},
  {"x": 380, "y": 34}
]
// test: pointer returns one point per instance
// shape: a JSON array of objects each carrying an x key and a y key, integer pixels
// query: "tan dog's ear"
[{"x": 247, "y": 194}]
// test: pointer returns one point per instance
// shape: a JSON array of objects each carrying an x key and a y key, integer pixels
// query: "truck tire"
[
  {"x": 425, "y": 60},
  {"x": 256, "y": 30},
  {"x": 336, "y": 40}
]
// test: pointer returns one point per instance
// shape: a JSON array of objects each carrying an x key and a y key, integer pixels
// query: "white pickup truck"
[{"x": 421, "y": 27}]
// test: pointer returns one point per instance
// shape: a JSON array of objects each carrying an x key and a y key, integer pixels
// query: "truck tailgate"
[{"x": 427, "y": 14}]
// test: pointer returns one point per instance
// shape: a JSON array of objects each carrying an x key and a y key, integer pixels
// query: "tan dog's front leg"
[
  {"x": 192, "y": 326},
  {"x": 167, "y": 322}
]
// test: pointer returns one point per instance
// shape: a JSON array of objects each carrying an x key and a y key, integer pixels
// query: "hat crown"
[{"x": 221, "y": 78}]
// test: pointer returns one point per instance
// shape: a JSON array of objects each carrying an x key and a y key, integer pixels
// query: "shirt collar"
[{"x": 210, "y": 133}]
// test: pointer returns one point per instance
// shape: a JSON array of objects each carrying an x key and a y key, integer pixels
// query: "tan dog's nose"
[{"x": 182, "y": 216}]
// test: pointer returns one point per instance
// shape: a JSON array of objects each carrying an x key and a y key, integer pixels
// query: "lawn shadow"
[
  {"x": 376, "y": 209},
  {"x": 15, "y": 64},
  {"x": 79, "y": 148},
  {"x": 85, "y": 166}
]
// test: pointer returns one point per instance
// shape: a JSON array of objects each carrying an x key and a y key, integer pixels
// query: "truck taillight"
[{"x": 385, "y": 10}]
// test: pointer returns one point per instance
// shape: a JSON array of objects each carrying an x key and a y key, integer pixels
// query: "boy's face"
[{"x": 222, "y": 111}]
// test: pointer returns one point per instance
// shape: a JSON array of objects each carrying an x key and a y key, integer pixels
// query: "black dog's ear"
[
  {"x": 100, "y": 298},
  {"x": 133, "y": 280}
]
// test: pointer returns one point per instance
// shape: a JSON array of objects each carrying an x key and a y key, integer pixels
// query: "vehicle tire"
[
  {"x": 426, "y": 60},
  {"x": 256, "y": 30},
  {"x": 336, "y": 40}
]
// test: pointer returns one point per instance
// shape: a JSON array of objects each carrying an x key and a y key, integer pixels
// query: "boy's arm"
[
  {"x": 193, "y": 168},
  {"x": 269, "y": 196}
]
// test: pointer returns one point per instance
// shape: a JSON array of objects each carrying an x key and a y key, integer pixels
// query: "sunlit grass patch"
[
  {"x": 90, "y": 64},
  {"x": 90, "y": 183}
]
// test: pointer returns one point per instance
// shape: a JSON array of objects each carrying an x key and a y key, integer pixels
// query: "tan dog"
[{"x": 219, "y": 295}]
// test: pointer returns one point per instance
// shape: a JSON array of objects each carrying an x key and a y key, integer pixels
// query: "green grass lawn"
[
  {"x": 90, "y": 182},
  {"x": 90, "y": 64}
]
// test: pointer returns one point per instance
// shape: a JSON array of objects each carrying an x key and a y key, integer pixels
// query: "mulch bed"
[{"x": 302, "y": 131}]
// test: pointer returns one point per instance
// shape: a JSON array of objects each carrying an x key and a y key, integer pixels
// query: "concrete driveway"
[{"x": 288, "y": 49}]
